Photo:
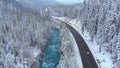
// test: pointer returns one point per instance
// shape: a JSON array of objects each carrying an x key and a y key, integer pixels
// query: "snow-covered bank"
[
  {"x": 102, "y": 58},
  {"x": 70, "y": 56},
  {"x": 77, "y": 53}
]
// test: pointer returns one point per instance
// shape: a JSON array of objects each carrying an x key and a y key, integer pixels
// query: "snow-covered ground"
[
  {"x": 70, "y": 56},
  {"x": 102, "y": 58},
  {"x": 77, "y": 54}
]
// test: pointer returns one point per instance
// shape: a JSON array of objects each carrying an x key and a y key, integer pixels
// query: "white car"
[{"x": 88, "y": 53}]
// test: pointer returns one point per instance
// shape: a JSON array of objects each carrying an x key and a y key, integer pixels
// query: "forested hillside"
[
  {"x": 23, "y": 35},
  {"x": 101, "y": 19}
]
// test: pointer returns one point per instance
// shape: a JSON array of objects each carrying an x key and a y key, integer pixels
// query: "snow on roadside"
[
  {"x": 76, "y": 57},
  {"x": 103, "y": 58},
  {"x": 77, "y": 54}
]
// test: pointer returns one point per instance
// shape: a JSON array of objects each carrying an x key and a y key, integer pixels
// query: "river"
[{"x": 51, "y": 56}]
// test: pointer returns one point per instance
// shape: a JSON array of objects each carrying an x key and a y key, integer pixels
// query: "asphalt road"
[{"x": 86, "y": 55}]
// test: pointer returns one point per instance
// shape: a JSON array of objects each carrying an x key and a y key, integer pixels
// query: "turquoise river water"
[{"x": 51, "y": 56}]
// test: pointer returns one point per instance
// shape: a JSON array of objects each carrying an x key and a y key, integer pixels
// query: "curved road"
[
  {"x": 88, "y": 60},
  {"x": 86, "y": 55}
]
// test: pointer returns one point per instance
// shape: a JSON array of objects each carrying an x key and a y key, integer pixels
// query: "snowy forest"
[
  {"x": 24, "y": 31},
  {"x": 101, "y": 18}
]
